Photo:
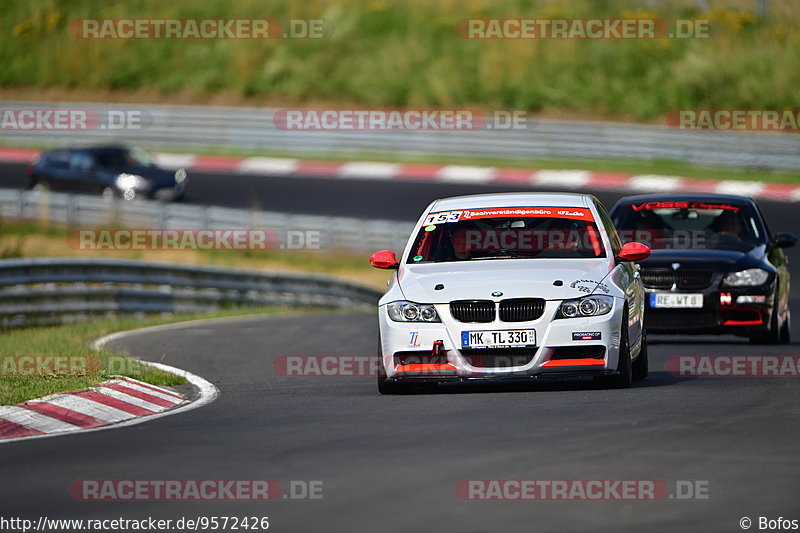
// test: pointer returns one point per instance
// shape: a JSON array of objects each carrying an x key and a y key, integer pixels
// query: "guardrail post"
[
  {"x": 72, "y": 212},
  {"x": 162, "y": 215},
  {"x": 20, "y": 203}
]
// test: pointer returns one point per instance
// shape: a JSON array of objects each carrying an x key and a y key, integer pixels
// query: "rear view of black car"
[
  {"x": 113, "y": 171},
  {"x": 715, "y": 265}
]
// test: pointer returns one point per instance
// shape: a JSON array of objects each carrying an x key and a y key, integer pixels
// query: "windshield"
[
  {"x": 123, "y": 157},
  {"x": 690, "y": 225},
  {"x": 507, "y": 233}
]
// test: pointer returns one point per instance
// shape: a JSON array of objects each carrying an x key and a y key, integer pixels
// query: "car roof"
[
  {"x": 513, "y": 199},
  {"x": 91, "y": 148},
  {"x": 694, "y": 197}
]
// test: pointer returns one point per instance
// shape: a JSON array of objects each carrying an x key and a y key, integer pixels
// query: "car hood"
[
  {"x": 515, "y": 278},
  {"x": 716, "y": 260}
]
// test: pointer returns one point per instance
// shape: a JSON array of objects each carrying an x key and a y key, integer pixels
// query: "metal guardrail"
[
  {"x": 52, "y": 291},
  {"x": 248, "y": 128},
  {"x": 335, "y": 233}
]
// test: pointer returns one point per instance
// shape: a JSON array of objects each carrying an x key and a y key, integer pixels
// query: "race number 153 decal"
[{"x": 442, "y": 218}]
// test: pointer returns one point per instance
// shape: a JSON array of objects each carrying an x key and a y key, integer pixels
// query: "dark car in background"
[
  {"x": 716, "y": 267},
  {"x": 113, "y": 171}
]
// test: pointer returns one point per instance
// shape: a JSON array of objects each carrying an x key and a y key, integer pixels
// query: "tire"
[
  {"x": 774, "y": 334},
  {"x": 108, "y": 193},
  {"x": 640, "y": 367},
  {"x": 624, "y": 376},
  {"x": 40, "y": 187},
  {"x": 786, "y": 330}
]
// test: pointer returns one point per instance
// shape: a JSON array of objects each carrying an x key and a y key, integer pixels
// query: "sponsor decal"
[
  {"x": 414, "y": 341},
  {"x": 443, "y": 217},
  {"x": 751, "y": 299},
  {"x": 580, "y": 284},
  {"x": 651, "y": 206},
  {"x": 586, "y": 335}
]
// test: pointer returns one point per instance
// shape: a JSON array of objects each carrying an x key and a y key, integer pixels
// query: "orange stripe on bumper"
[
  {"x": 742, "y": 322},
  {"x": 576, "y": 362},
  {"x": 424, "y": 367}
]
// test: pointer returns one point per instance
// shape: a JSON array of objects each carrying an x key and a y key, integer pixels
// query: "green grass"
[
  {"x": 406, "y": 54},
  {"x": 73, "y": 340}
]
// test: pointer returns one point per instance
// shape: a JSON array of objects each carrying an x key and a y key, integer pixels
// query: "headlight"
[
  {"x": 588, "y": 306},
  {"x": 412, "y": 312},
  {"x": 180, "y": 175},
  {"x": 746, "y": 278},
  {"x": 131, "y": 181}
]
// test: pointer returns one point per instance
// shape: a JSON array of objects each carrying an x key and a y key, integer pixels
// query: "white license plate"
[
  {"x": 685, "y": 301},
  {"x": 498, "y": 339}
]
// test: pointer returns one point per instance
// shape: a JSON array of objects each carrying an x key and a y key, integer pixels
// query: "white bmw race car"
[{"x": 515, "y": 285}]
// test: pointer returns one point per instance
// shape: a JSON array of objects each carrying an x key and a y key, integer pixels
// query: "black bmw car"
[
  {"x": 715, "y": 267},
  {"x": 112, "y": 170}
]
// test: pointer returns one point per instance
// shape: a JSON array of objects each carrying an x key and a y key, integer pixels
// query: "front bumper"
[
  {"x": 407, "y": 348},
  {"x": 732, "y": 310},
  {"x": 170, "y": 193},
  {"x": 167, "y": 194}
]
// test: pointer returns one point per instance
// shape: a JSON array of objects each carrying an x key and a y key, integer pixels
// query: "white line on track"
[{"x": 571, "y": 179}]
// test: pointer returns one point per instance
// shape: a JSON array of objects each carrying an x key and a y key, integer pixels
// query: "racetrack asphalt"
[
  {"x": 364, "y": 198},
  {"x": 391, "y": 463}
]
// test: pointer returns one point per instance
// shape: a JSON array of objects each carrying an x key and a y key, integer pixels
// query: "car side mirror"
[
  {"x": 784, "y": 239},
  {"x": 633, "y": 251},
  {"x": 384, "y": 259}
]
